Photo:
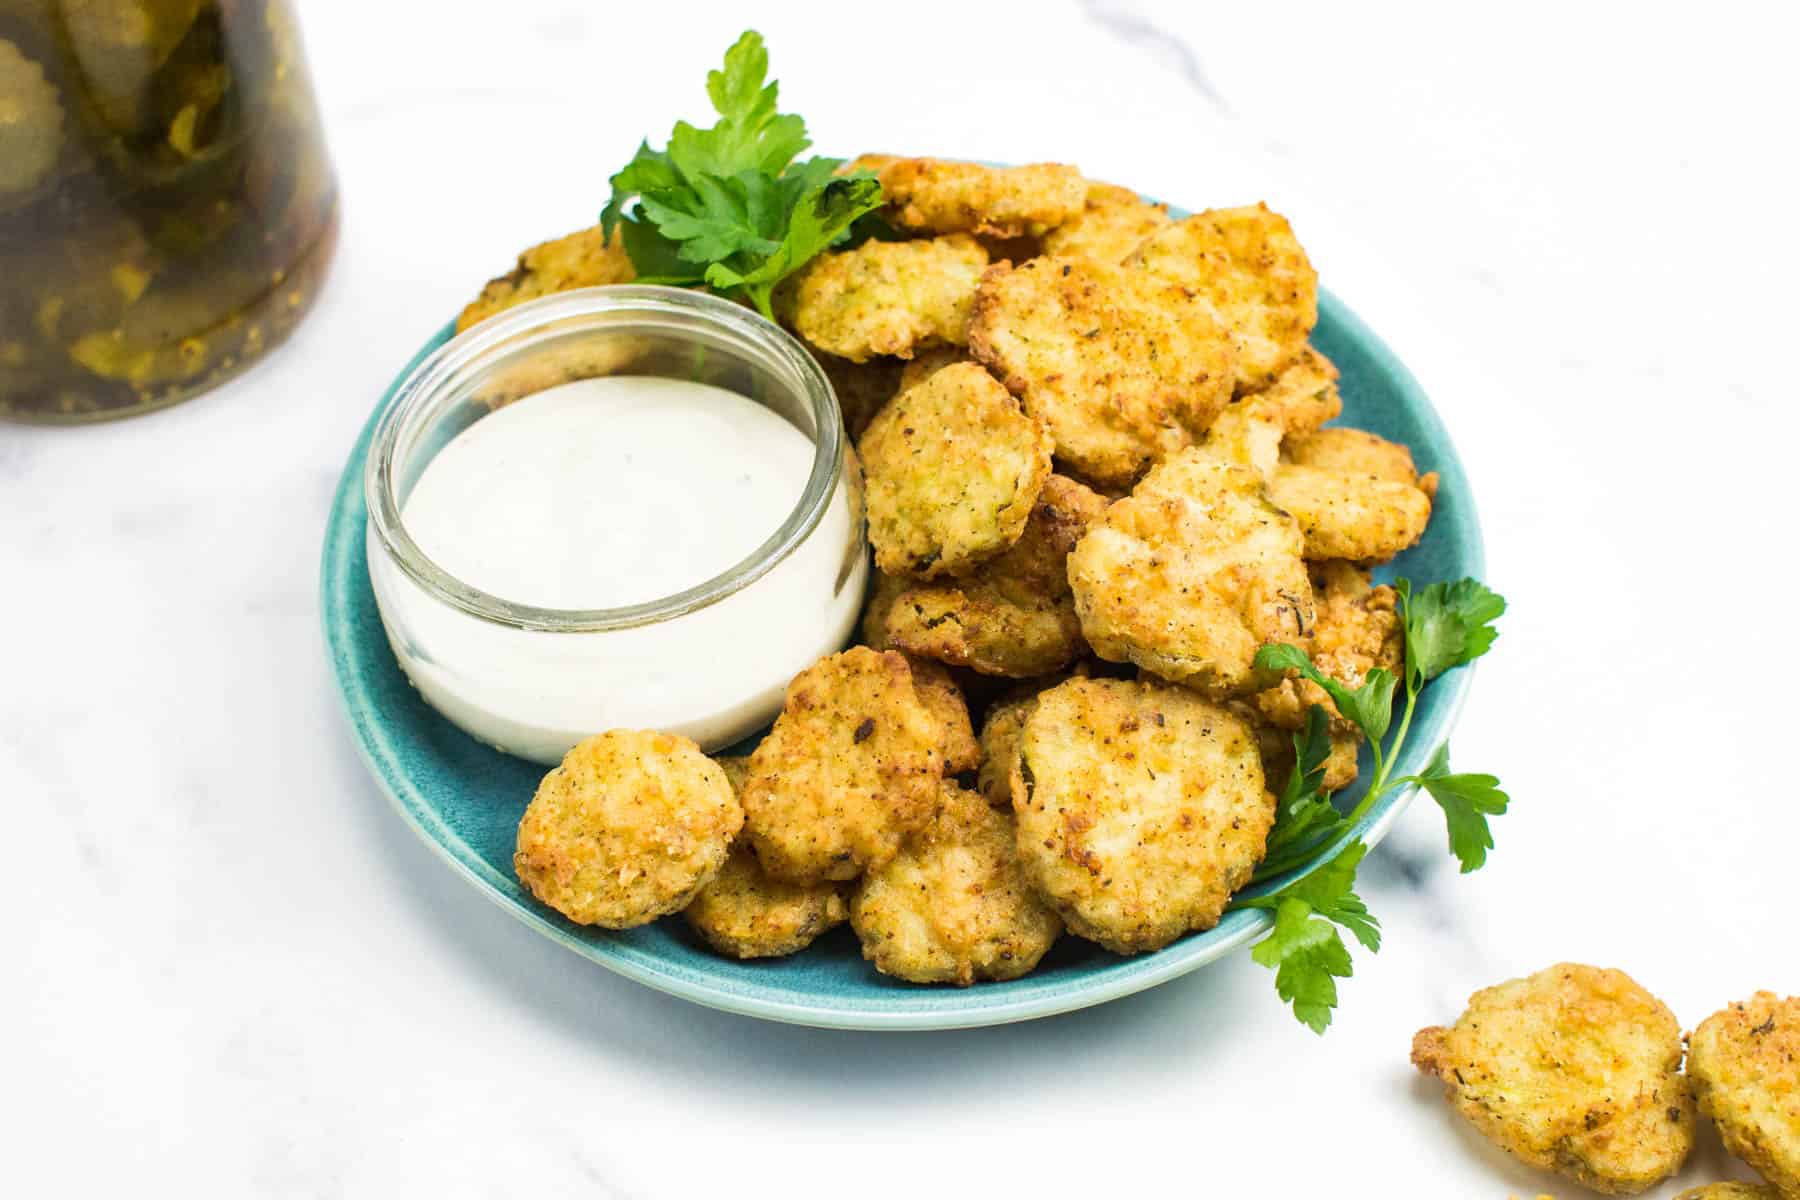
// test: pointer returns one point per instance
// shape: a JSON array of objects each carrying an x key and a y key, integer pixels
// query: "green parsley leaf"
[
  {"x": 728, "y": 206},
  {"x": 1309, "y": 957},
  {"x": 1305, "y": 949},
  {"x": 815, "y": 222},
  {"x": 1468, "y": 801},
  {"x": 1446, "y": 625},
  {"x": 1304, "y": 815},
  {"x": 1370, "y": 707}
]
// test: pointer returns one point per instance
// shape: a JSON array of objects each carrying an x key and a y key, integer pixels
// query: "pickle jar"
[{"x": 167, "y": 206}]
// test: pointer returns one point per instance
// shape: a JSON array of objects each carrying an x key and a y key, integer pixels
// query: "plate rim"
[{"x": 1133, "y": 975}]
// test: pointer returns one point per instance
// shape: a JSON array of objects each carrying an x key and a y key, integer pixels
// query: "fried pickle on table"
[
  {"x": 886, "y": 298},
  {"x": 1574, "y": 1069},
  {"x": 742, "y": 913},
  {"x": 1125, "y": 368},
  {"x": 952, "y": 469},
  {"x": 851, "y": 767},
  {"x": 1358, "y": 518},
  {"x": 938, "y": 692},
  {"x": 1141, "y": 808},
  {"x": 628, "y": 828},
  {"x": 1356, "y": 628},
  {"x": 1744, "y": 1062},
  {"x": 1012, "y": 616},
  {"x": 1247, "y": 263},
  {"x": 954, "y": 906},
  {"x": 1112, "y": 223},
  {"x": 938, "y": 195},
  {"x": 584, "y": 258},
  {"x": 1191, "y": 574}
]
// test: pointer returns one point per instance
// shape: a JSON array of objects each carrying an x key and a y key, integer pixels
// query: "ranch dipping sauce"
[{"x": 606, "y": 493}]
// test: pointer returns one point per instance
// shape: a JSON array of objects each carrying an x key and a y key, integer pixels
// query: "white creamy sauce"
[{"x": 604, "y": 493}]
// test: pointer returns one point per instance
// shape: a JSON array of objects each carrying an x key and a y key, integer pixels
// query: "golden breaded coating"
[
  {"x": 1247, "y": 263},
  {"x": 1141, "y": 809},
  {"x": 1353, "y": 517},
  {"x": 1191, "y": 574},
  {"x": 743, "y": 913},
  {"x": 1124, "y": 367},
  {"x": 1012, "y": 616},
  {"x": 926, "y": 363},
  {"x": 1305, "y": 396},
  {"x": 1112, "y": 224},
  {"x": 851, "y": 767},
  {"x": 942, "y": 196},
  {"x": 627, "y": 829},
  {"x": 582, "y": 259},
  {"x": 952, "y": 469},
  {"x": 954, "y": 906},
  {"x": 892, "y": 298},
  {"x": 1353, "y": 452},
  {"x": 1356, "y": 629},
  {"x": 1730, "y": 1191},
  {"x": 1744, "y": 1062},
  {"x": 1247, "y": 433},
  {"x": 862, "y": 388},
  {"x": 1576, "y": 1070},
  {"x": 938, "y": 692},
  {"x": 1000, "y": 735}
]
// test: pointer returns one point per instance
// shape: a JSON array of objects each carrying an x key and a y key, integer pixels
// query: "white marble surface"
[{"x": 231, "y": 970}]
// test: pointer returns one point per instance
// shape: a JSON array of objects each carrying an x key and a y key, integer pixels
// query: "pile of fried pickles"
[{"x": 1098, "y": 478}]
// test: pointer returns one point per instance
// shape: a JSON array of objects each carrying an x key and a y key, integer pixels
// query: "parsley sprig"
[
  {"x": 729, "y": 206},
  {"x": 1444, "y": 625}
]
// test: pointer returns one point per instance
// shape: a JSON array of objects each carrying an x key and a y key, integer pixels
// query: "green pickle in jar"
[{"x": 167, "y": 206}]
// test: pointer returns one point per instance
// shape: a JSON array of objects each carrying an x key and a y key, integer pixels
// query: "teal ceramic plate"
[{"x": 465, "y": 799}]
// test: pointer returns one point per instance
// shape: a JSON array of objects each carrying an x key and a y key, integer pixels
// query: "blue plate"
[{"x": 465, "y": 799}]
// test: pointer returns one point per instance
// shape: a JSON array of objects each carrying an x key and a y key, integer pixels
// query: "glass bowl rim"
[{"x": 413, "y": 400}]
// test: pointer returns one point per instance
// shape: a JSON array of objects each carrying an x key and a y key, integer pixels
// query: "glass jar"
[
  {"x": 711, "y": 662},
  {"x": 167, "y": 206}
]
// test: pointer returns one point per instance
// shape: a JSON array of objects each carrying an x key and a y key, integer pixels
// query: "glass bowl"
[{"x": 711, "y": 661}]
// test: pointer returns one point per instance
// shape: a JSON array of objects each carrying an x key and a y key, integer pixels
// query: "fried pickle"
[
  {"x": 1141, "y": 809},
  {"x": 938, "y": 692},
  {"x": 1191, "y": 574},
  {"x": 851, "y": 767},
  {"x": 952, "y": 470},
  {"x": 1112, "y": 223},
  {"x": 627, "y": 829},
  {"x": 954, "y": 906},
  {"x": 1730, "y": 1191},
  {"x": 1575, "y": 1070},
  {"x": 943, "y": 196},
  {"x": 1123, "y": 367},
  {"x": 582, "y": 259},
  {"x": 1012, "y": 616},
  {"x": 1358, "y": 518},
  {"x": 1744, "y": 1062},
  {"x": 742, "y": 913},
  {"x": 892, "y": 298},
  {"x": 1305, "y": 395},
  {"x": 1356, "y": 629},
  {"x": 1247, "y": 263}
]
